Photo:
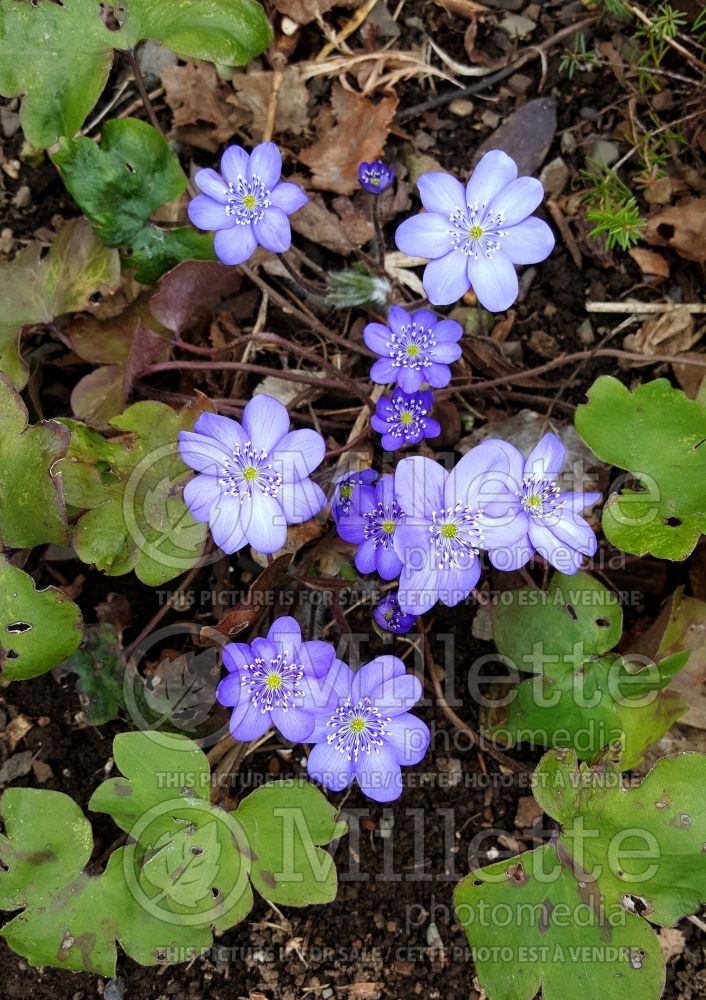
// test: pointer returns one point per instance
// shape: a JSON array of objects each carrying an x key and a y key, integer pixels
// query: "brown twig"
[{"x": 142, "y": 90}]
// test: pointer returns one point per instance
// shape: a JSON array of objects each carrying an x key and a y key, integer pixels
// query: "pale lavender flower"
[
  {"x": 248, "y": 205},
  {"x": 473, "y": 237},
  {"x": 254, "y": 477},
  {"x": 414, "y": 349},
  {"x": 367, "y": 731}
]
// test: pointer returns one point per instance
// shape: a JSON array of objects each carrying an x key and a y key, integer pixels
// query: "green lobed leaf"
[
  {"x": 660, "y": 444},
  {"x": 564, "y": 918},
  {"x": 31, "y": 498},
  {"x": 38, "y": 628},
  {"x": 581, "y": 696},
  {"x": 155, "y": 250},
  {"x": 100, "y": 666},
  {"x": 131, "y": 491},
  {"x": 36, "y": 289},
  {"x": 62, "y": 53}
]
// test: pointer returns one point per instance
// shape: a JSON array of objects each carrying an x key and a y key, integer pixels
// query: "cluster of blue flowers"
[
  {"x": 359, "y": 724},
  {"x": 423, "y": 525}
]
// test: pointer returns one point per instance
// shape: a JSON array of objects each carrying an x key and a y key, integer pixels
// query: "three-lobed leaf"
[
  {"x": 661, "y": 443},
  {"x": 564, "y": 917},
  {"x": 62, "y": 53}
]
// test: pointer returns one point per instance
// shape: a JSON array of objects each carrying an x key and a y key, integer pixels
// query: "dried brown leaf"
[
  {"x": 304, "y": 11},
  {"x": 253, "y": 95},
  {"x": 682, "y": 228},
  {"x": 247, "y": 613},
  {"x": 650, "y": 262},
  {"x": 670, "y": 332},
  {"x": 359, "y": 134},
  {"x": 196, "y": 95}
]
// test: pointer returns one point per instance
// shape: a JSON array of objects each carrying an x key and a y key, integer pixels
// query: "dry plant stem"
[
  {"x": 272, "y": 338},
  {"x": 142, "y": 90},
  {"x": 697, "y": 308},
  {"x": 379, "y": 237},
  {"x": 226, "y": 768},
  {"x": 475, "y": 738},
  {"x": 310, "y": 286},
  {"x": 348, "y": 29}
]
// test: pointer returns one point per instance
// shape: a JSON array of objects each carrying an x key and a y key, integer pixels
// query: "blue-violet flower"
[
  {"x": 371, "y": 524},
  {"x": 344, "y": 488},
  {"x": 375, "y": 177},
  {"x": 277, "y": 681},
  {"x": 389, "y": 615},
  {"x": 413, "y": 349},
  {"x": 403, "y": 418},
  {"x": 246, "y": 204},
  {"x": 253, "y": 477},
  {"x": 474, "y": 237},
  {"x": 367, "y": 731}
]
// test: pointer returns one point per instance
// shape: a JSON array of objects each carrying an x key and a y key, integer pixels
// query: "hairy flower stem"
[
  {"x": 309, "y": 286},
  {"x": 379, "y": 238}
]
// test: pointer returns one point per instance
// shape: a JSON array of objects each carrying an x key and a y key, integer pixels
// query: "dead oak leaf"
[
  {"x": 196, "y": 95},
  {"x": 681, "y": 228},
  {"x": 254, "y": 91},
  {"x": 304, "y": 11},
  {"x": 359, "y": 134}
]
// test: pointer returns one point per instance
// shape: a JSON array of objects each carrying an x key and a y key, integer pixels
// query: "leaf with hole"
[
  {"x": 63, "y": 52},
  {"x": 662, "y": 445},
  {"x": 38, "y": 628},
  {"x": 100, "y": 666},
  {"x": 568, "y": 916}
]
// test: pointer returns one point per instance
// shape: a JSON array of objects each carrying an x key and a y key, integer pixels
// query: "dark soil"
[{"x": 391, "y": 931}]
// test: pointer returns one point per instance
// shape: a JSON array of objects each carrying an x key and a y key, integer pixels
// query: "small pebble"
[
  {"x": 555, "y": 177},
  {"x": 23, "y": 197},
  {"x": 585, "y": 332},
  {"x": 461, "y": 107},
  {"x": 517, "y": 26},
  {"x": 519, "y": 83},
  {"x": 114, "y": 989},
  {"x": 490, "y": 118}
]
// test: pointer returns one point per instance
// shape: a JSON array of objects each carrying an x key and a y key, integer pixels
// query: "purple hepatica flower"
[
  {"x": 389, "y": 616},
  {"x": 375, "y": 177},
  {"x": 474, "y": 237},
  {"x": 247, "y": 205},
  {"x": 448, "y": 522},
  {"x": 413, "y": 349},
  {"x": 367, "y": 731},
  {"x": 344, "y": 491},
  {"x": 253, "y": 478},
  {"x": 371, "y": 524},
  {"x": 548, "y": 520},
  {"x": 275, "y": 682},
  {"x": 403, "y": 419}
]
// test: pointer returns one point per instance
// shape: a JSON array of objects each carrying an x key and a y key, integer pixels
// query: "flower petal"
[
  {"x": 409, "y": 737},
  {"x": 227, "y": 432},
  {"x": 212, "y": 184},
  {"x": 445, "y": 279},
  {"x": 510, "y": 557},
  {"x": 234, "y": 246},
  {"x": 202, "y": 453},
  {"x": 289, "y": 197},
  {"x": 316, "y": 656},
  {"x": 330, "y": 767},
  {"x": 273, "y": 231},
  {"x": 377, "y": 337},
  {"x": 295, "y": 724},
  {"x": 265, "y": 421},
  {"x": 426, "y": 235},
  {"x": 298, "y": 453},
  {"x": 200, "y": 494},
  {"x": 493, "y": 172},
  {"x": 494, "y": 280},
  {"x": 226, "y": 525},
  {"x": 528, "y": 242},
  {"x": 397, "y": 694},
  {"x": 286, "y": 632},
  {"x": 234, "y": 164},
  {"x": 418, "y": 591},
  {"x": 410, "y": 379},
  {"x": 263, "y": 522},
  {"x": 301, "y": 500},
  {"x": 379, "y": 775},
  {"x": 230, "y": 690},
  {"x": 447, "y": 331},
  {"x": 441, "y": 193},
  {"x": 383, "y": 372},
  {"x": 398, "y": 318},
  {"x": 247, "y": 722},
  {"x": 546, "y": 458},
  {"x": 365, "y": 557},
  {"x": 374, "y": 673},
  {"x": 574, "y": 531},
  {"x": 491, "y": 468},
  {"x": 265, "y": 164},
  {"x": 517, "y": 200},
  {"x": 205, "y": 213},
  {"x": 419, "y": 485},
  {"x": 237, "y": 656},
  {"x": 563, "y": 557},
  {"x": 387, "y": 563}
]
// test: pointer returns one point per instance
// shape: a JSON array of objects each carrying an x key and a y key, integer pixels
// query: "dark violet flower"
[
  {"x": 371, "y": 524},
  {"x": 402, "y": 419},
  {"x": 375, "y": 177},
  {"x": 475, "y": 236},
  {"x": 413, "y": 349},
  {"x": 277, "y": 681},
  {"x": 344, "y": 491},
  {"x": 254, "y": 476},
  {"x": 547, "y": 520},
  {"x": 389, "y": 615},
  {"x": 446, "y": 526},
  {"x": 367, "y": 731},
  {"x": 248, "y": 205}
]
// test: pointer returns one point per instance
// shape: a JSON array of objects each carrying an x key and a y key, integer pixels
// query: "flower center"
[
  {"x": 406, "y": 418},
  {"x": 380, "y": 523},
  {"x": 249, "y": 469},
  {"x": 539, "y": 497},
  {"x": 357, "y": 729},
  {"x": 273, "y": 683},
  {"x": 346, "y": 492},
  {"x": 456, "y": 536},
  {"x": 247, "y": 201},
  {"x": 410, "y": 347},
  {"x": 475, "y": 230}
]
